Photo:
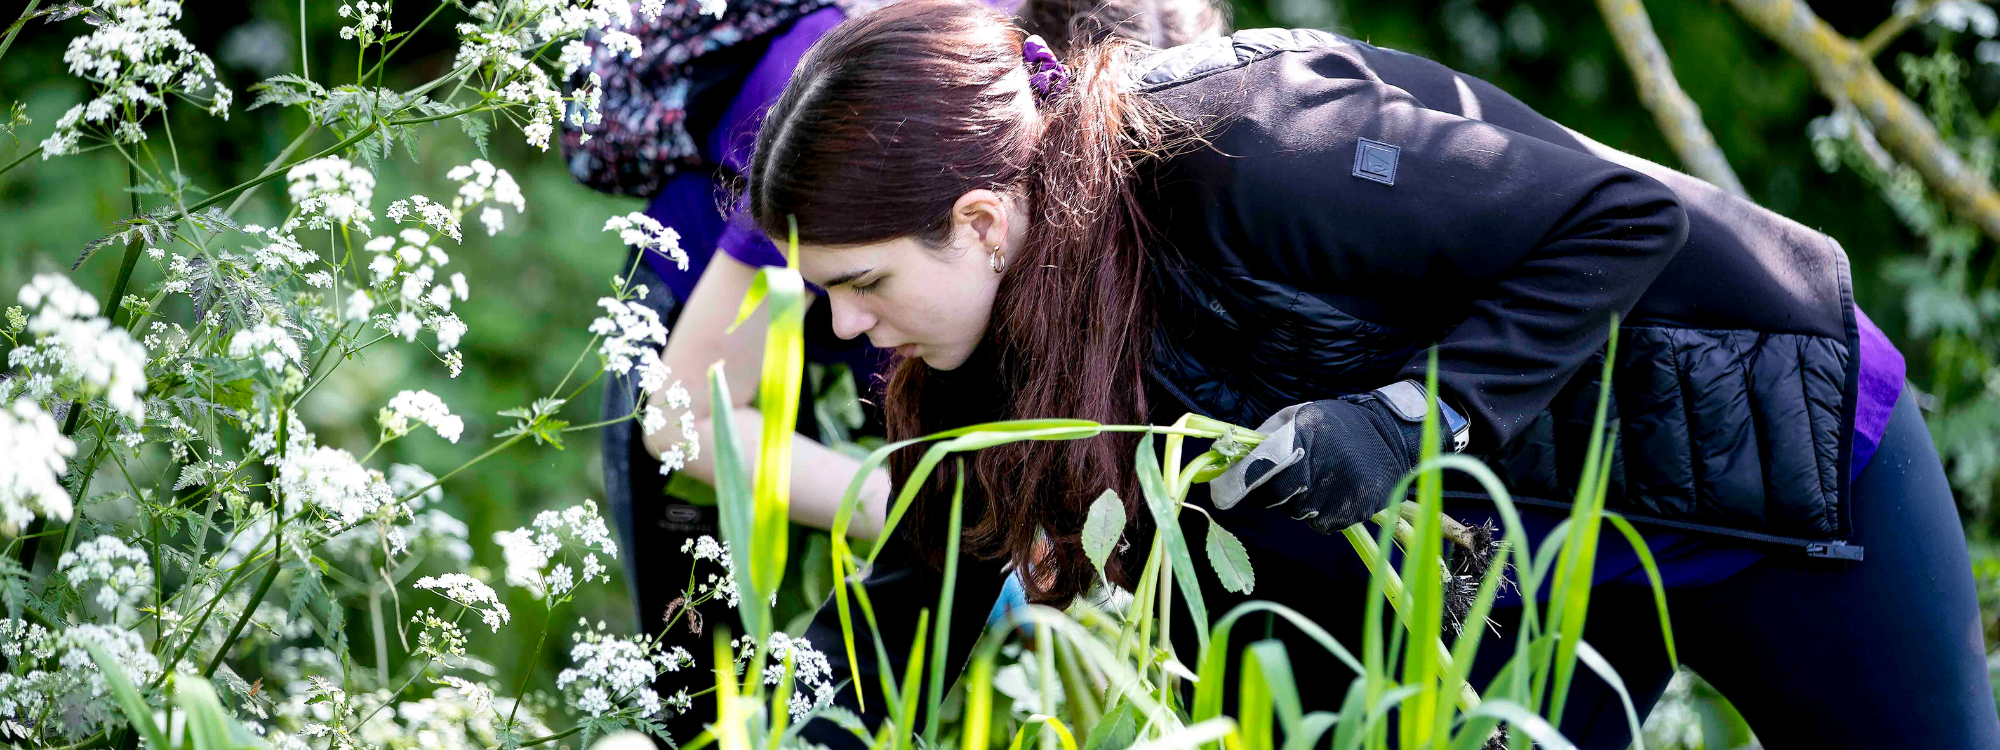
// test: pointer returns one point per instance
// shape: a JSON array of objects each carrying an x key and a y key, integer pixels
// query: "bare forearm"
[{"x": 820, "y": 476}]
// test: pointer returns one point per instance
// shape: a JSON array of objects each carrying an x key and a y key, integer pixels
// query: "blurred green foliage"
[{"x": 535, "y": 285}]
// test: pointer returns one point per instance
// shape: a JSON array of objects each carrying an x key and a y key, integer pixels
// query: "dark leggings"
[{"x": 1887, "y": 652}]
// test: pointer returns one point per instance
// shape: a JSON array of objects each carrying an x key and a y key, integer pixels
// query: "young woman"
[
  {"x": 1272, "y": 229},
  {"x": 679, "y": 123}
]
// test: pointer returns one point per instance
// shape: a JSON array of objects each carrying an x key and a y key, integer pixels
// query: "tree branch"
[
  {"x": 1837, "y": 65},
  {"x": 1898, "y": 23},
  {"x": 1678, "y": 117}
]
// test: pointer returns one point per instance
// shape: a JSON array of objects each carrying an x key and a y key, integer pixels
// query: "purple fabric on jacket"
[{"x": 1881, "y": 382}]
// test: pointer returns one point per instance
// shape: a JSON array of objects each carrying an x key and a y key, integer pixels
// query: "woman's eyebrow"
[{"x": 844, "y": 278}]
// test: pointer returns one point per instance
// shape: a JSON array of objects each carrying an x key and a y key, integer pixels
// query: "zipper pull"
[{"x": 1834, "y": 551}]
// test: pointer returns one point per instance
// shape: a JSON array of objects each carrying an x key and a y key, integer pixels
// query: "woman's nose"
[{"x": 849, "y": 320}]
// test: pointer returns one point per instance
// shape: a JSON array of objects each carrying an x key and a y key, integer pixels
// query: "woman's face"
[{"x": 922, "y": 301}]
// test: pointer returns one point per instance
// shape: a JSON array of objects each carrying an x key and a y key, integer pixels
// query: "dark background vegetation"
[{"x": 534, "y": 286}]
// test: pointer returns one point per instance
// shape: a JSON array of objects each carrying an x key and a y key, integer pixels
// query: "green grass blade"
[
  {"x": 734, "y": 504},
  {"x": 941, "y": 641},
  {"x": 778, "y": 400},
  {"x": 1424, "y": 587},
  {"x": 1313, "y": 727},
  {"x": 1166, "y": 519},
  {"x": 208, "y": 725},
  {"x": 1275, "y": 667},
  {"x": 1597, "y": 663},
  {"x": 1645, "y": 553},
  {"x": 128, "y": 698},
  {"x": 1347, "y": 734},
  {"x": 978, "y": 727},
  {"x": 1253, "y": 705},
  {"x": 913, "y": 672},
  {"x": 1537, "y": 728}
]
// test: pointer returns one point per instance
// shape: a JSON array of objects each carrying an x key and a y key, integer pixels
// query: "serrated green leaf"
[
  {"x": 1230, "y": 561},
  {"x": 1103, "y": 527}
]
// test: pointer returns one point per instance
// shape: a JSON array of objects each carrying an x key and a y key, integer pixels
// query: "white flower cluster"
[
  {"x": 501, "y": 35},
  {"x": 472, "y": 593},
  {"x": 137, "y": 59},
  {"x": 283, "y": 252},
  {"x": 371, "y": 21},
  {"x": 332, "y": 191},
  {"x": 31, "y": 477},
  {"x": 421, "y": 407},
  {"x": 718, "y": 585},
  {"x": 529, "y": 552},
  {"x": 632, "y": 337},
  {"x": 73, "y": 346},
  {"x": 124, "y": 573},
  {"x": 812, "y": 677},
  {"x": 429, "y": 212},
  {"x": 640, "y": 231},
  {"x": 481, "y": 182},
  {"x": 332, "y": 481},
  {"x": 406, "y": 275},
  {"x": 70, "y": 701},
  {"x": 269, "y": 344},
  {"x": 611, "y": 673}
]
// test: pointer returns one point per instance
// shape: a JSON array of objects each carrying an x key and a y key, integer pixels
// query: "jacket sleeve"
[
  {"x": 1516, "y": 249},
  {"x": 900, "y": 585}
]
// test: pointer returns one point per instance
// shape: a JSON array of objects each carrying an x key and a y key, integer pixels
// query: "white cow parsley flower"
[
  {"x": 124, "y": 572},
  {"x": 137, "y": 59},
  {"x": 481, "y": 182},
  {"x": 422, "y": 407},
  {"x": 371, "y": 21},
  {"x": 330, "y": 480},
  {"x": 640, "y": 231},
  {"x": 73, "y": 346},
  {"x": 31, "y": 477},
  {"x": 612, "y": 673},
  {"x": 576, "y": 530},
  {"x": 432, "y": 213},
  {"x": 270, "y": 344},
  {"x": 472, "y": 593},
  {"x": 333, "y": 191}
]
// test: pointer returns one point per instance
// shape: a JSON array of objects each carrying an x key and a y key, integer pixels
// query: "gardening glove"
[{"x": 1332, "y": 463}]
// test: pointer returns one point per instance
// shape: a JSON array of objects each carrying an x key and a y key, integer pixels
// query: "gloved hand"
[{"x": 1330, "y": 463}]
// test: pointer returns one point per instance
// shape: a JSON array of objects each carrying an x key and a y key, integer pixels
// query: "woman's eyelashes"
[{"x": 865, "y": 287}]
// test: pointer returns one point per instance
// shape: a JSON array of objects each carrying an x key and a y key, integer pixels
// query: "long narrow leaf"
[
  {"x": 1597, "y": 663},
  {"x": 1166, "y": 520},
  {"x": 1645, "y": 553},
  {"x": 735, "y": 507},
  {"x": 940, "y": 643}
]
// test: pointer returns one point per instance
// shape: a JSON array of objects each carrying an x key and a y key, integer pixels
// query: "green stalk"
[{"x": 16, "y": 29}]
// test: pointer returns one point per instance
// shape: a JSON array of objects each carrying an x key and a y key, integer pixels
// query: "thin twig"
[
  {"x": 1837, "y": 65},
  {"x": 1678, "y": 117}
]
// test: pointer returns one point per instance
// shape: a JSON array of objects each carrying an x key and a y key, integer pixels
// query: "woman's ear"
[{"x": 980, "y": 219}]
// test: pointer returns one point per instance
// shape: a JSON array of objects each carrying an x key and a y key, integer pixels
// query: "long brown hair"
[{"x": 889, "y": 119}]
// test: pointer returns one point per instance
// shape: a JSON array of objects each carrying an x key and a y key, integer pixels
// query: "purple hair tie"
[{"x": 1047, "y": 74}]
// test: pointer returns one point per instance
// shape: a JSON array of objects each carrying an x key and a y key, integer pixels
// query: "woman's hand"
[{"x": 1330, "y": 463}]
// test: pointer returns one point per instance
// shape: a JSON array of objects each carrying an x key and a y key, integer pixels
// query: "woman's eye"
[{"x": 868, "y": 287}]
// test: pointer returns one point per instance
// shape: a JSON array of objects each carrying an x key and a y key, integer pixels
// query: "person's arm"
[
  {"x": 820, "y": 475},
  {"x": 1517, "y": 250}
]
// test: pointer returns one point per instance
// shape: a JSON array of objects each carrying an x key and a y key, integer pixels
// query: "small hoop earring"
[{"x": 995, "y": 260}]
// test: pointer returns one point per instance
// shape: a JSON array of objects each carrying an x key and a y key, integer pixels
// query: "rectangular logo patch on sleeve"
[{"x": 1375, "y": 160}]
